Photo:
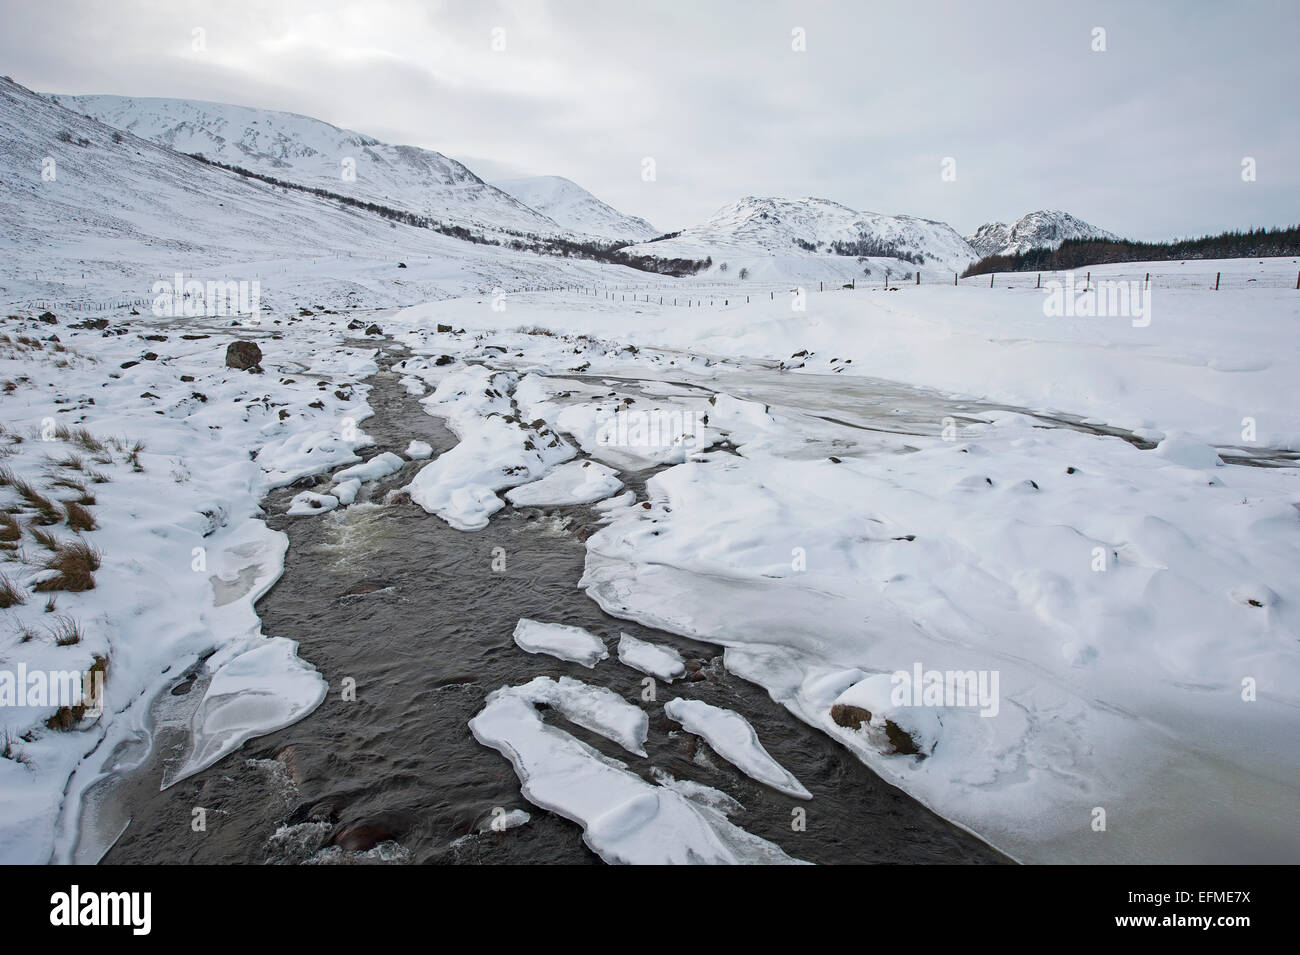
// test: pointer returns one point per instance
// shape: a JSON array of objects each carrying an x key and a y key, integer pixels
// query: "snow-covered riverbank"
[{"x": 1133, "y": 608}]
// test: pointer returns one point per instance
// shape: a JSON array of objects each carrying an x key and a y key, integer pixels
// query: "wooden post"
[
  {"x": 1040, "y": 280},
  {"x": 1087, "y": 282},
  {"x": 821, "y": 286},
  {"x": 990, "y": 280},
  {"x": 954, "y": 278},
  {"x": 918, "y": 277},
  {"x": 1146, "y": 281},
  {"x": 1216, "y": 280},
  {"x": 1297, "y": 281}
]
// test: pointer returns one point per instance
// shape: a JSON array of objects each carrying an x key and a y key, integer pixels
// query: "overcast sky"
[{"x": 1146, "y": 138}]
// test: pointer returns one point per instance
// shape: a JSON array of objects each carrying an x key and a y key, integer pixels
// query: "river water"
[{"x": 392, "y": 598}]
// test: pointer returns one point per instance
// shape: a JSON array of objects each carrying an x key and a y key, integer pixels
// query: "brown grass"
[
  {"x": 74, "y": 564},
  {"x": 66, "y": 632},
  {"x": 84, "y": 497},
  {"x": 67, "y": 717},
  {"x": 9, "y": 529},
  {"x": 11, "y": 595},
  {"x": 46, "y": 512},
  {"x": 81, "y": 437},
  {"x": 44, "y": 538},
  {"x": 79, "y": 519}
]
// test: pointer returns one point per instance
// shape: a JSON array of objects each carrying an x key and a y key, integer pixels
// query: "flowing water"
[{"x": 411, "y": 610}]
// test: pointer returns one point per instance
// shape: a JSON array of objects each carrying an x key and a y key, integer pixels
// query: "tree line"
[{"x": 1079, "y": 253}]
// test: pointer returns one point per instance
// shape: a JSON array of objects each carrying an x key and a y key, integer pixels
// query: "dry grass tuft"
[
  {"x": 11, "y": 595},
  {"x": 74, "y": 564},
  {"x": 44, "y": 538},
  {"x": 67, "y": 717},
  {"x": 9, "y": 529},
  {"x": 46, "y": 512},
  {"x": 66, "y": 632},
  {"x": 79, "y": 519}
]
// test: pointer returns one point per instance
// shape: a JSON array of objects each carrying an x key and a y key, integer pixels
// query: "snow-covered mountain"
[
  {"x": 574, "y": 208},
  {"x": 799, "y": 238},
  {"x": 1045, "y": 229},
  {"x": 93, "y": 213},
  {"x": 311, "y": 152}
]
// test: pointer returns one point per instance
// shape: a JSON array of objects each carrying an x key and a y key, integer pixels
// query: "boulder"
[{"x": 245, "y": 356}]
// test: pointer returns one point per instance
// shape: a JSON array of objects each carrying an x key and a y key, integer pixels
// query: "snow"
[
  {"x": 460, "y": 485},
  {"x": 347, "y": 491},
  {"x": 665, "y": 663},
  {"x": 253, "y": 693},
  {"x": 310, "y": 152},
  {"x": 380, "y": 466},
  {"x": 577, "y": 482},
  {"x": 559, "y": 640},
  {"x": 1133, "y": 604},
  {"x": 770, "y": 237},
  {"x": 624, "y": 819},
  {"x": 505, "y": 821},
  {"x": 698, "y": 792},
  {"x": 732, "y": 738},
  {"x": 574, "y": 208},
  {"x": 419, "y": 450},
  {"x": 598, "y": 709},
  {"x": 1045, "y": 229},
  {"x": 309, "y": 502}
]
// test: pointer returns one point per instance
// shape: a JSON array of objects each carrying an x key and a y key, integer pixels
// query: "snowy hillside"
[
  {"x": 117, "y": 213},
  {"x": 311, "y": 152},
  {"x": 575, "y": 209},
  {"x": 1045, "y": 229},
  {"x": 805, "y": 238}
]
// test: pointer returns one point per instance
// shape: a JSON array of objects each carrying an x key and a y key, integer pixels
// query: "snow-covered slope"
[
  {"x": 796, "y": 238},
  {"x": 115, "y": 213},
  {"x": 1045, "y": 229},
  {"x": 575, "y": 209},
  {"x": 314, "y": 153}
]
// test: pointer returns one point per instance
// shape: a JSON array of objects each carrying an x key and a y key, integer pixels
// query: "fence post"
[
  {"x": 821, "y": 286},
  {"x": 954, "y": 278},
  {"x": 1087, "y": 282},
  {"x": 918, "y": 277},
  {"x": 1040, "y": 280},
  {"x": 1297, "y": 281},
  {"x": 1147, "y": 281},
  {"x": 990, "y": 280},
  {"x": 1216, "y": 280}
]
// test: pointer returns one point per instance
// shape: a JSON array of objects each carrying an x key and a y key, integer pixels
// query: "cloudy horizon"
[{"x": 1146, "y": 137}]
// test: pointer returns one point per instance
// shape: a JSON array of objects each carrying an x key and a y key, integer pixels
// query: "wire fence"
[{"x": 698, "y": 293}]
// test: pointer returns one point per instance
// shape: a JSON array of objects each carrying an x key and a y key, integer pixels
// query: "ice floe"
[
  {"x": 624, "y": 818},
  {"x": 559, "y": 640},
  {"x": 658, "y": 661},
  {"x": 732, "y": 738}
]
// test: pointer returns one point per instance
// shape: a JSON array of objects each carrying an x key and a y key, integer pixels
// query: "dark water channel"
[{"x": 412, "y": 610}]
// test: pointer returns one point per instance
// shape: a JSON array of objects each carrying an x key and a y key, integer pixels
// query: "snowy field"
[{"x": 1132, "y": 609}]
